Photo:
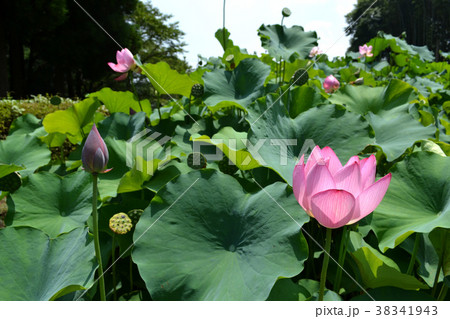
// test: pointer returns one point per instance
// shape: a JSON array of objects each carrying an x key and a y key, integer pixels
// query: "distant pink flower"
[
  {"x": 365, "y": 51},
  {"x": 331, "y": 84},
  {"x": 338, "y": 195},
  {"x": 125, "y": 63},
  {"x": 314, "y": 51},
  {"x": 95, "y": 154}
]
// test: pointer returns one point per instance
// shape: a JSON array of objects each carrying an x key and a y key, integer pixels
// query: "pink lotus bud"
[
  {"x": 314, "y": 51},
  {"x": 338, "y": 195},
  {"x": 331, "y": 84},
  {"x": 365, "y": 51},
  {"x": 125, "y": 63},
  {"x": 95, "y": 154}
]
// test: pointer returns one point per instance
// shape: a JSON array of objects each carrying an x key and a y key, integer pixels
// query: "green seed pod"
[
  {"x": 55, "y": 100},
  {"x": 197, "y": 90},
  {"x": 196, "y": 160},
  {"x": 134, "y": 215},
  {"x": 120, "y": 223},
  {"x": 300, "y": 77},
  {"x": 227, "y": 168},
  {"x": 286, "y": 12},
  {"x": 11, "y": 182}
]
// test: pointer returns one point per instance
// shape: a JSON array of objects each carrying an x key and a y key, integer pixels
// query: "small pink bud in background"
[
  {"x": 95, "y": 154},
  {"x": 338, "y": 195},
  {"x": 365, "y": 51},
  {"x": 331, "y": 84},
  {"x": 125, "y": 63},
  {"x": 314, "y": 51}
]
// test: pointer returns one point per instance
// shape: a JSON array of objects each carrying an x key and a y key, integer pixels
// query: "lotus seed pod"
[
  {"x": 196, "y": 160},
  {"x": 286, "y": 12},
  {"x": 55, "y": 100},
  {"x": 197, "y": 90},
  {"x": 120, "y": 223},
  {"x": 134, "y": 215},
  {"x": 300, "y": 77},
  {"x": 11, "y": 182},
  {"x": 227, "y": 168}
]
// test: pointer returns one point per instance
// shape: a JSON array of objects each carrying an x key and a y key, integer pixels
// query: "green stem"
[
  {"x": 113, "y": 258},
  {"x": 414, "y": 254},
  {"x": 282, "y": 21},
  {"x": 96, "y": 238},
  {"x": 223, "y": 29},
  {"x": 341, "y": 260},
  {"x": 131, "y": 274},
  {"x": 134, "y": 91},
  {"x": 284, "y": 71},
  {"x": 443, "y": 292},
  {"x": 158, "y": 104},
  {"x": 441, "y": 262},
  {"x": 189, "y": 106},
  {"x": 326, "y": 259}
]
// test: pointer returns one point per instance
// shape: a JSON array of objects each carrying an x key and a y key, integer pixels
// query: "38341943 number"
[{"x": 407, "y": 310}]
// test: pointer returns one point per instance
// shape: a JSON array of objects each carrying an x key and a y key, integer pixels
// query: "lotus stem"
[
  {"x": 443, "y": 292},
  {"x": 326, "y": 259},
  {"x": 223, "y": 29},
  {"x": 96, "y": 237},
  {"x": 134, "y": 91},
  {"x": 341, "y": 260},
  {"x": 441, "y": 262},
  {"x": 413, "y": 255},
  {"x": 158, "y": 96},
  {"x": 131, "y": 274},
  {"x": 113, "y": 259}
]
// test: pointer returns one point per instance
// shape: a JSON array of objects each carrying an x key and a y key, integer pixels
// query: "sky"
[{"x": 200, "y": 19}]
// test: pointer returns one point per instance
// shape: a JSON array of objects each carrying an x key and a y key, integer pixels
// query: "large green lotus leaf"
[
  {"x": 396, "y": 131},
  {"x": 72, "y": 120},
  {"x": 233, "y": 145},
  {"x": 224, "y": 34},
  {"x": 24, "y": 150},
  {"x": 238, "y": 88},
  {"x": 378, "y": 270},
  {"x": 300, "y": 99},
  {"x": 121, "y": 101},
  {"x": 274, "y": 133},
  {"x": 397, "y": 45},
  {"x": 417, "y": 200},
  {"x": 204, "y": 238},
  {"x": 122, "y": 126},
  {"x": 27, "y": 124},
  {"x": 363, "y": 99},
  {"x": 36, "y": 267},
  {"x": 167, "y": 81},
  {"x": 287, "y": 43},
  {"x": 52, "y": 203}
]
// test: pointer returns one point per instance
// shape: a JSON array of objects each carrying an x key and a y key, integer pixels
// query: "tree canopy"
[
  {"x": 425, "y": 22},
  {"x": 53, "y": 46}
]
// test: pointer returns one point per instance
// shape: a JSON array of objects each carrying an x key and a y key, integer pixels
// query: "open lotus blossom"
[
  {"x": 125, "y": 63},
  {"x": 365, "y": 51},
  {"x": 338, "y": 195},
  {"x": 331, "y": 84},
  {"x": 314, "y": 51},
  {"x": 95, "y": 154}
]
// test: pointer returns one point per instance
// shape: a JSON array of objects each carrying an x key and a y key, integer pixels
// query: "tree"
[
  {"x": 53, "y": 46},
  {"x": 425, "y": 22}
]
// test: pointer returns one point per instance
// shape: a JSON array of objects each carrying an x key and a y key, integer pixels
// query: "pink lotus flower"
[
  {"x": 95, "y": 154},
  {"x": 365, "y": 51},
  {"x": 331, "y": 84},
  {"x": 125, "y": 63},
  {"x": 314, "y": 51},
  {"x": 338, "y": 195}
]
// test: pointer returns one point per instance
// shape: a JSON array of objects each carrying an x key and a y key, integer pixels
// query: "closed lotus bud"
[{"x": 95, "y": 154}]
